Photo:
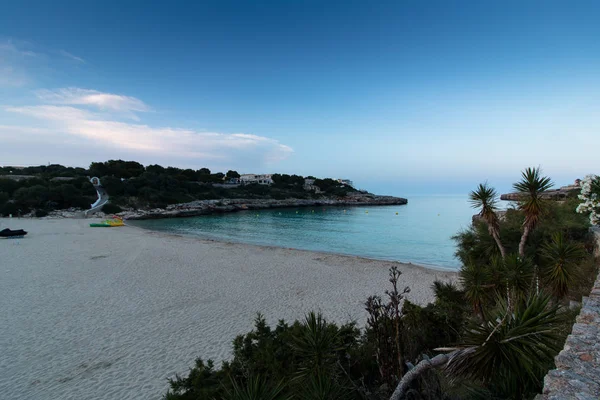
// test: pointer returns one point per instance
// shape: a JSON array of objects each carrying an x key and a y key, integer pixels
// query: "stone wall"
[{"x": 577, "y": 373}]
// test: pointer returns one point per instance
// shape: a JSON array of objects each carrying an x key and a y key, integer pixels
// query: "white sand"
[{"x": 110, "y": 313}]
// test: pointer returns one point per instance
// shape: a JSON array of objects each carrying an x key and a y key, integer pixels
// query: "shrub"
[
  {"x": 41, "y": 213},
  {"x": 111, "y": 209}
]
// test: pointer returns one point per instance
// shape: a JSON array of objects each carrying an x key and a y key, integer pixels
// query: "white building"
[
  {"x": 346, "y": 182},
  {"x": 262, "y": 179},
  {"x": 309, "y": 184}
]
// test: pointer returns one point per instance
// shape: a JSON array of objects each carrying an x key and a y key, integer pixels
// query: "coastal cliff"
[{"x": 205, "y": 207}]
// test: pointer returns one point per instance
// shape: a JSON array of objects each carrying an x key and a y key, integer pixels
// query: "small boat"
[
  {"x": 10, "y": 234},
  {"x": 109, "y": 223}
]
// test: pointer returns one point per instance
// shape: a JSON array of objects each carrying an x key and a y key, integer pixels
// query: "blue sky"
[{"x": 403, "y": 97}]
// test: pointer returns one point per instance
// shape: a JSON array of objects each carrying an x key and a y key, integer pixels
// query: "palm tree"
[
  {"x": 447, "y": 293},
  {"x": 530, "y": 187},
  {"x": 485, "y": 198},
  {"x": 317, "y": 343},
  {"x": 476, "y": 283},
  {"x": 256, "y": 388},
  {"x": 515, "y": 353},
  {"x": 518, "y": 273},
  {"x": 561, "y": 257}
]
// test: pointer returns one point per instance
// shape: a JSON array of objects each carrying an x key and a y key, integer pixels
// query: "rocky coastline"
[
  {"x": 205, "y": 207},
  {"x": 559, "y": 194}
]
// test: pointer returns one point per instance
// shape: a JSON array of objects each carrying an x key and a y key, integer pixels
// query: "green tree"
[
  {"x": 232, "y": 174},
  {"x": 560, "y": 264},
  {"x": 515, "y": 354},
  {"x": 531, "y": 185},
  {"x": 485, "y": 198},
  {"x": 478, "y": 287}
]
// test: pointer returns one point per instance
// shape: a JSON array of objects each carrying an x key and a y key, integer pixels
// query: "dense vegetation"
[
  {"x": 130, "y": 184},
  {"x": 51, "y": 187},
  {"x": 493, "y": 338}
]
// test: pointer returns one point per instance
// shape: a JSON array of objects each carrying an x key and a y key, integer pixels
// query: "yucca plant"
[
  {"x": 531, "y": 185},
  {"x": 517, "y": 273},
  {"x": 322, "y": 386},
  {"x": 447, "y": 293},
  {"x": 485, "y": 199},
  {"x": 560, "y": 261},
  {"x": 515, "y": 348},
  {"x": 477, "y": 284},
  {"x": 256, "y": 388},
  {"x": 317, "y": 345}
]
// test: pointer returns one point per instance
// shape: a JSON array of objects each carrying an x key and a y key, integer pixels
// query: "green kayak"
[{"x": 100, "y": 225}]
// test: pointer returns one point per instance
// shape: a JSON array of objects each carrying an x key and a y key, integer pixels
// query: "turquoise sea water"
[{"x": 420, "y": 233}]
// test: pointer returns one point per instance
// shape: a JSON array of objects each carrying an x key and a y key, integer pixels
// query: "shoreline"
[
  {"x": 438, "y": 268},
  {"x": 208, "y": 207},
  {"x": 104, "y": 313}
]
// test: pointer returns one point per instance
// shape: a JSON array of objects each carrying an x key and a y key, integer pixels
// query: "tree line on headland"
[
  {"x": 493, "y": 336},
  {"x": 130, "y": 184}
]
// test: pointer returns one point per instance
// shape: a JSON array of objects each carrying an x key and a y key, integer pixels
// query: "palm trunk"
[
  {"x": 423, "y": 366},
  {"x": 496, "y": 237},
  {"x": 523, "y": 241}
]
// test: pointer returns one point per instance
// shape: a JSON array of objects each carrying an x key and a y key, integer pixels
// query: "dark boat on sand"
[{"x": 17, "y": 233}]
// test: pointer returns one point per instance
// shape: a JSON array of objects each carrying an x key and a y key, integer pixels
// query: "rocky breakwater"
[
  {"x": 557, "y": 194},
  {"x": 204, "y": 207}
]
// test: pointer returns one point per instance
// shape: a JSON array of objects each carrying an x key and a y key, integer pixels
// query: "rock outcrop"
[
  {"x": 204, "y": 207},
  {"x": 557, "y": 194}
]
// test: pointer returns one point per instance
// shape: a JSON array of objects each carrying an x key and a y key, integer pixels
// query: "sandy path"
[{"x": 109, "y": 313}]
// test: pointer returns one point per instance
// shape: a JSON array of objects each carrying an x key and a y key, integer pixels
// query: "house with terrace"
[{"x": 261, "y": 179}]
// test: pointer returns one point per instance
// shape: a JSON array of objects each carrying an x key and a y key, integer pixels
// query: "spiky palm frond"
[
  {"x": 256, "y": 388},
  {"x": 477, "y": 285},
  {"x": 322, "y": 386},
  {"x": 517, "y": 273},
  {"x": 317, "y": 344},
  {"x": 485, "y": 198},
  {"x": 531, "y": 185},
  {"x": 560, "y": 258},
  {"x": 447, "y": 293},
  {"x": 515, "y": 347}
]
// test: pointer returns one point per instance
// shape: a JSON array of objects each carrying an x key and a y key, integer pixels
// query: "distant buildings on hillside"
[
  {"x": 266, "y": 179},
  {"x": 263, "y": 179},
  {"x": 346, "y": 182}
]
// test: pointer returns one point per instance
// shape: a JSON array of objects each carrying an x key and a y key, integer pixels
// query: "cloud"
[
  {"x": 126, "y": 105},
  {"x": 9, "y": 76},
  {"x": 101, "y": 131},
  {"x": 9, "y": 47},
  {"x": 13, "y": 62},
  {"x": 71, "y": 56},
  {"x": 19, "y": 63}
]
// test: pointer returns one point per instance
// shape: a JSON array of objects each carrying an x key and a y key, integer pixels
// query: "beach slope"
[{"x": 107, "y": 313}]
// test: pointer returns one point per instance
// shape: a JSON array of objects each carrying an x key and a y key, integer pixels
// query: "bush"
[
  {"x": 9, "y": 208},
  {"x": 111, "y": 209},
  {"x": 41, "y": 213}
]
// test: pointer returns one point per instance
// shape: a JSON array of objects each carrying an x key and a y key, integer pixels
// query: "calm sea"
[{"x": 419, "y": 232}]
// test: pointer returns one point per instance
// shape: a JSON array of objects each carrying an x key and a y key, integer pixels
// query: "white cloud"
[
  {"x": 104, "y": 101},
  {"x": 182, "y": 145},
  {"x": 71, "y": 56}
]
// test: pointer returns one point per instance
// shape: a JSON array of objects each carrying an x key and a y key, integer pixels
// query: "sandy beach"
[{"x": 110, "y": 313}]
